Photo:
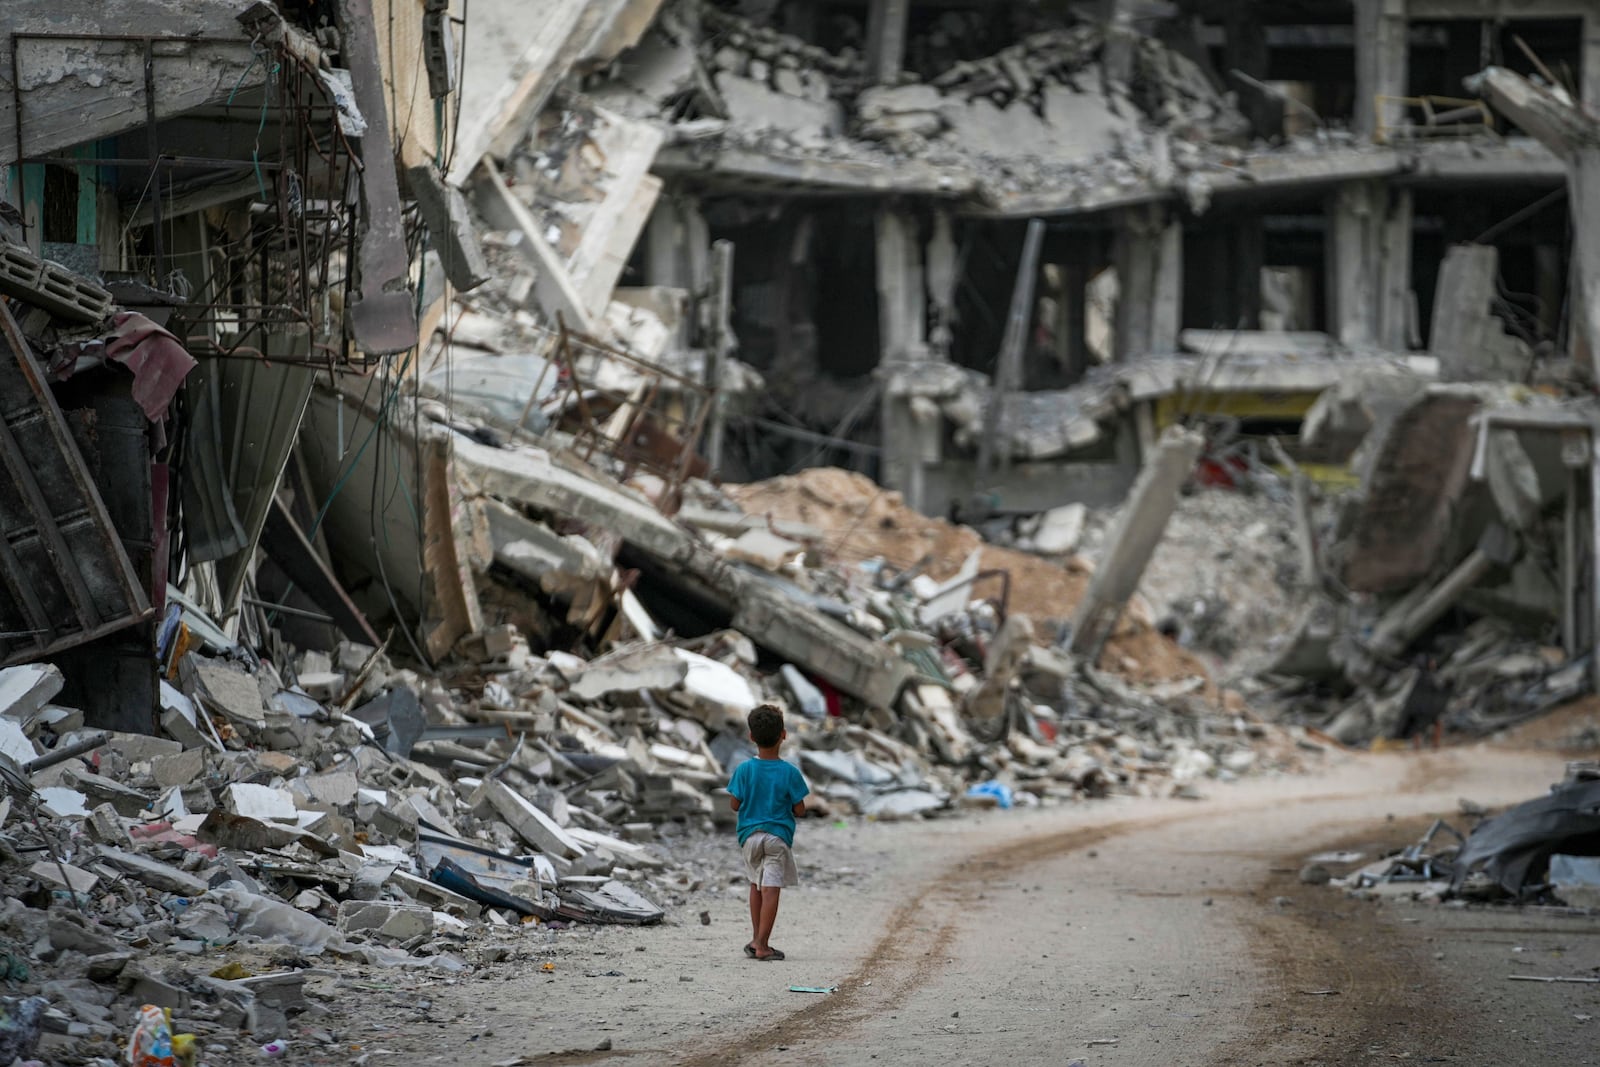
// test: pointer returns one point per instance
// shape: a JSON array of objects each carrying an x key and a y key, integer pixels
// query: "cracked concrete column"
[
  {"x": 1369, "y": 265},
  {"x": 1149, "y": 259},
  {"x": 910, "y": 436},
  {"x": 1382, "y": 63},
  {"x": 886, "y": 39},
  {"x": 1574, "y": 136},
  {"x": 1141, "y": 524}
]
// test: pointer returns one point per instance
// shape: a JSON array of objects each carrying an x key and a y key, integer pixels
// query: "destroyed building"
[{"x": 377, "y": 379}]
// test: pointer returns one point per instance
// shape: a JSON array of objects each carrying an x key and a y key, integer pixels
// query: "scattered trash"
[
  {"x": 999, "y": 791},
  {"x": 813, "y": 989}
]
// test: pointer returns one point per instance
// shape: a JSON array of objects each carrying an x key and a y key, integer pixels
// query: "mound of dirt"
[{"x": 861, "y": 520}]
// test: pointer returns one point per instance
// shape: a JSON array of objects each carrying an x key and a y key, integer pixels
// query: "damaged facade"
[{"x": 371, "y": 374}]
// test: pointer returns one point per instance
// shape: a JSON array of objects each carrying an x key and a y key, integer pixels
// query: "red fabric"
[{"x": 156, "y": 357}]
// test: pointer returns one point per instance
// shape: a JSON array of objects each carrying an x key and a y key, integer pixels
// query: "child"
[{"x": 768, "y": 794}]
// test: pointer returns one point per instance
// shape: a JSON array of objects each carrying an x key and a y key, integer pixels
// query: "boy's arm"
[
  {"x": 799, "y": 808},
  {"x": 801, "y": 791},
  {"x": 733, "y": 803}
]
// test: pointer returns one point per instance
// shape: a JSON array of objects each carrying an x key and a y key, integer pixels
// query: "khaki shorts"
[{"x": 768, "y": 861}]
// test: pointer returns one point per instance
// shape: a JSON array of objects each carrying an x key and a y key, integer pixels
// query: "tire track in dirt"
[
  {"x": 1384, "y": 988},
  {"x": 904, "y": 958}
]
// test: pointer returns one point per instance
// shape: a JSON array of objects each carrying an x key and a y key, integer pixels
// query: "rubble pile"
[
  {"x": 854, "y": 519},
  {"x": 1542, "y": 851},
  {"x": 331, "y": 804},
  {"x": 1049, "y": 98},
  {"x": 1438, "y": 603},
  {"x": 1223, "y": 581}
]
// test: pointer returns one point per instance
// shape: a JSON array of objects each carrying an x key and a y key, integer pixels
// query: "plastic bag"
[
  {"x": 273, "y": 920},
  {"x": 153, "y": 1044},
  {"x": 999, "y": 790}
]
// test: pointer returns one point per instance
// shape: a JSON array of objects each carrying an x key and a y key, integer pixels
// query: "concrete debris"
[
  {"x": 1537, "y": 852},
  {"x": 452, "y": 647}
]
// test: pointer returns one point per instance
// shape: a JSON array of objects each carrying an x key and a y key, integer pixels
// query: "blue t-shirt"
[{"x": 768, "y": 790}]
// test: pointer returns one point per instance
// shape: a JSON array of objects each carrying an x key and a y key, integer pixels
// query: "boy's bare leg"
[
  {"x": 769, "y": 915},
  {"x": 755, "y": 912}
]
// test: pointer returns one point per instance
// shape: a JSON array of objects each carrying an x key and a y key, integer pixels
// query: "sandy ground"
[{"x": 1117, "y": 932}]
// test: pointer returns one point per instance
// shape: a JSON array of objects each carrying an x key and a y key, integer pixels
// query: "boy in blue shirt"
[{"x": 767, "y": 794}]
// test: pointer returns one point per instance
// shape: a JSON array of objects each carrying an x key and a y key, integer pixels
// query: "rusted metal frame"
[
  {"x": 661, "y": 372},
  {"x": 624, "y": 440},
  {"x": 690, "y": 448},
  {"x": 585, "y": 413},
  {"x": 44, "y": 519},
  {"x": 673, "y": 474},
  {"x": 133, "y": 593}
]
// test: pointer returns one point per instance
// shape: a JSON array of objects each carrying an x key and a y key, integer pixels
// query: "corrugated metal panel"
[
  {"x": 264, "y": 404},
  {"x": 65, "y": 577},
  {"x": 246, "y": 416}
]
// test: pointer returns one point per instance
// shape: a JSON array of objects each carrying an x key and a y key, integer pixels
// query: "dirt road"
[{"x": 1125, "y": 932}]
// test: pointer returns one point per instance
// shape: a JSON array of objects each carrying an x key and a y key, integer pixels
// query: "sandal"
[
  {"x": 769, "y": 957},
  {"x": 750, "y": 950}
]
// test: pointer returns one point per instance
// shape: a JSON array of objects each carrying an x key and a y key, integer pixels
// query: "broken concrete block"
[
  {"x": 336, "y": 787},
  {"x": 651, "y": 667},
  {"x": 434, "y": 896},
  {"x": 64, "y": 876},
  {"x": 143, "y": 984},
  {"x": 230, "y": 690},
  {"x": 25, "y": 690},
  {"x": 180, "y": 721},
  {"x": 70, "y": 932},
  {"x": 533, "y": 825},
  {"x": 153, "y": 873},
  {"x": 260, "y": 802},
  {"x": 138, "y": 748},
  {"x": 107, "y": 966},
  {"x": 764, "y": 548},
  {"x": 418, "y": 808},
  {"x": 14, "y": 742},
  {"x": 1060, "y": 529},
  {"x": 204, "y": 921},
  {"x": 179, "y": 769},
  {"x": 98, "y": 789},
  {"x": 107, "y": 827},
  {"x": 397, "y": 922},
  {"x": 324, "y": 686}
]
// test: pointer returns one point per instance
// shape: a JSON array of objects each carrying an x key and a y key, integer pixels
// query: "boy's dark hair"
[{"x": 766, "y": 725}]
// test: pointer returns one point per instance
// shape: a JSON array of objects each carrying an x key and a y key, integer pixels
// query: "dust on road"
[{"x": 1125, "y": 932}]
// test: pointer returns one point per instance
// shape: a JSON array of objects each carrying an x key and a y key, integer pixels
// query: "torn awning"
[{"x": 156, "y": 357}]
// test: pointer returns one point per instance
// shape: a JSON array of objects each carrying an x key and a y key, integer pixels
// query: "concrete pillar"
[
  {"x": 1149, "y": 258},
  {"x": 1395, "y": 305},
  {"x": 910, "y": 438},
  {"x": 943, "y": 273},
  {"x": 1382, "y": 63},
  {"x": 886, "y": 39},
  {"x": 1369, "y": 265},
  {"x": 1121, "y": 36},
  {"x": 1139, "y": 529}
]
